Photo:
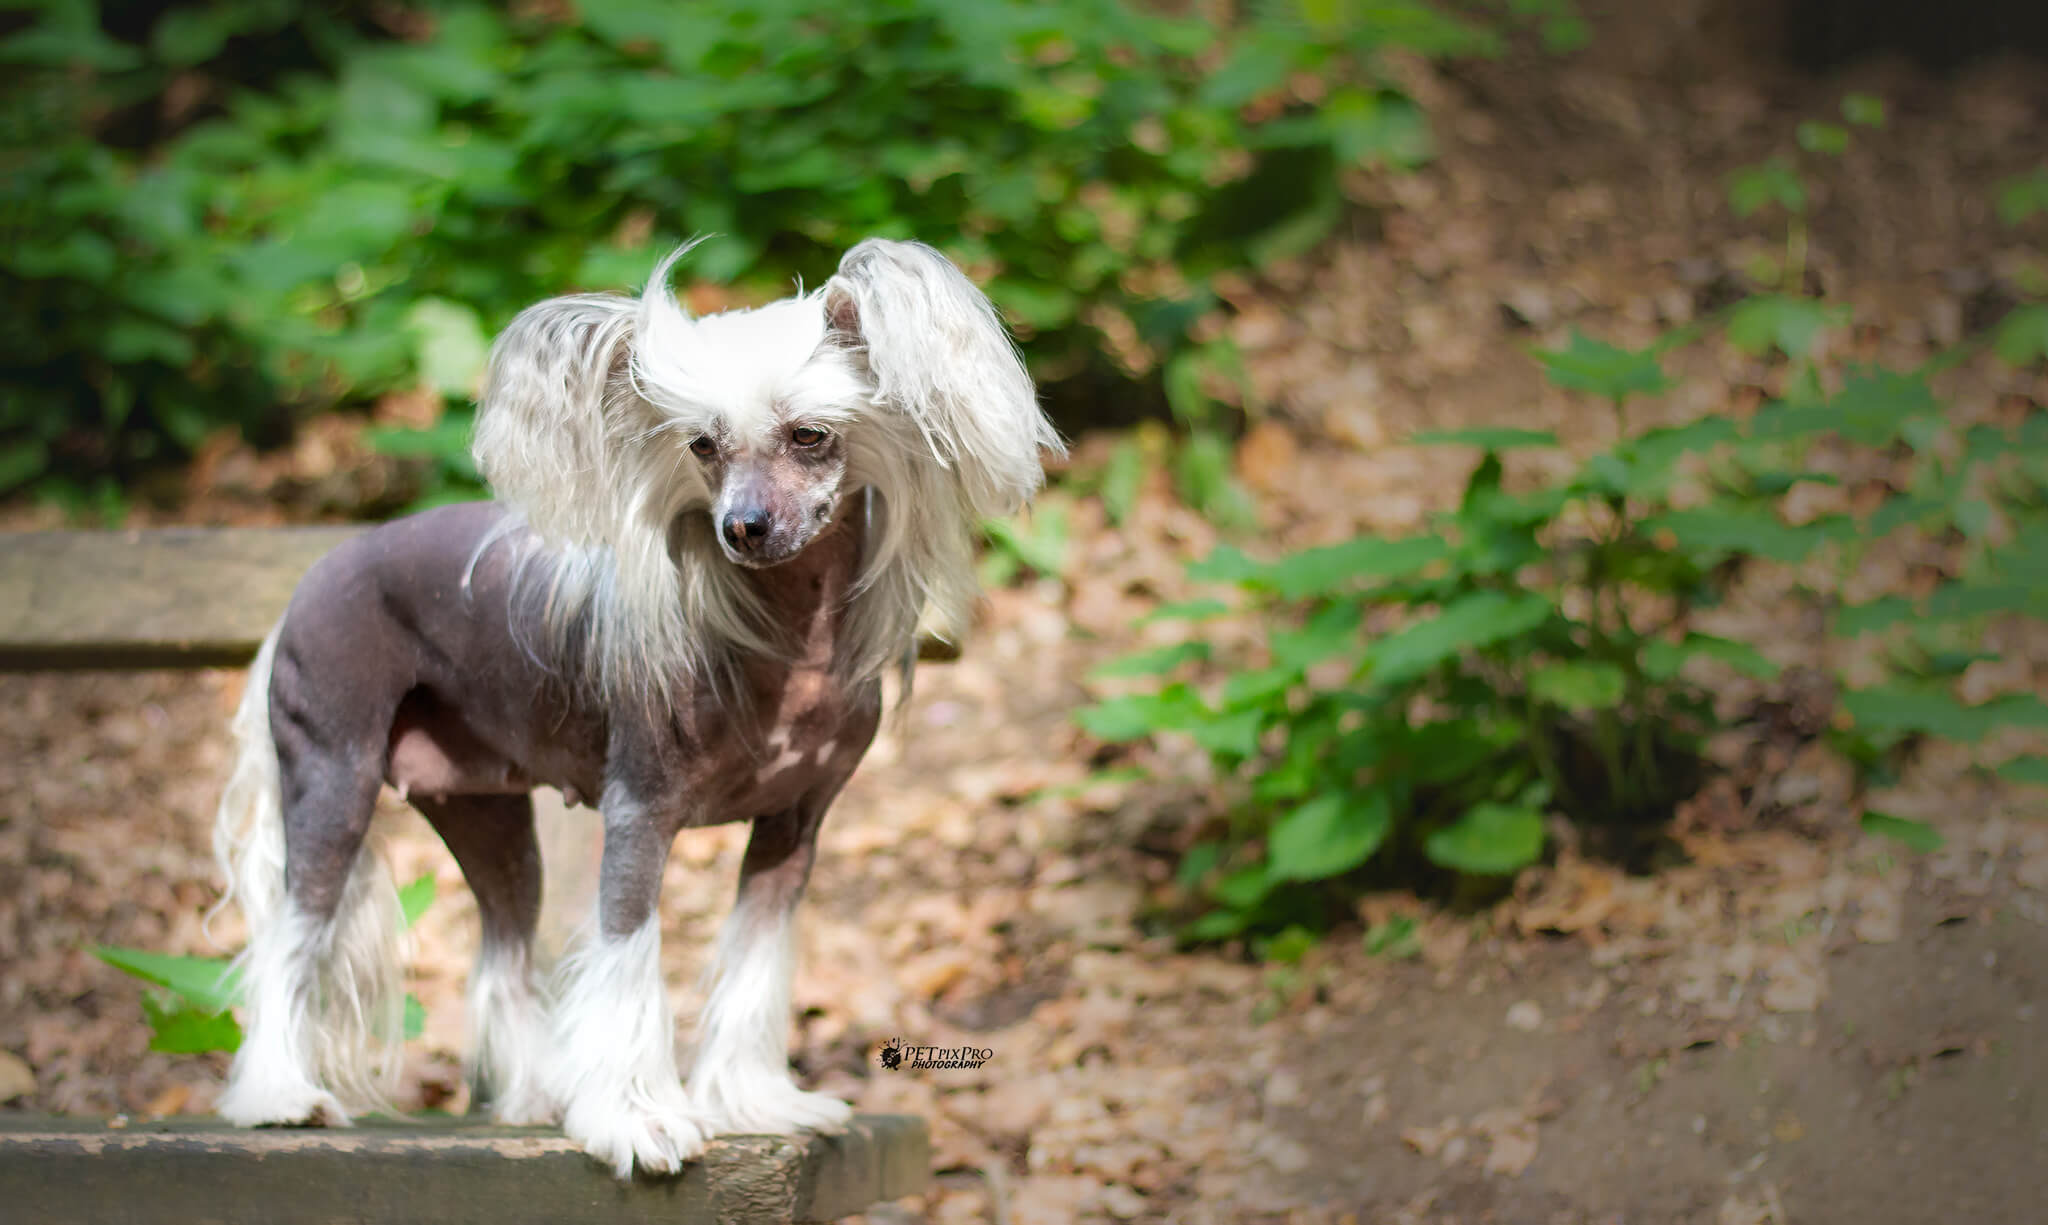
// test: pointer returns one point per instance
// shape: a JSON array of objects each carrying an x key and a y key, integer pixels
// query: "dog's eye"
[
  {"x": 805, "y": 436},
  {"x": 702, "y": 447}
]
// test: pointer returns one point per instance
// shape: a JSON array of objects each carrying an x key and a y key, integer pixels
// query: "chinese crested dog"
[{"x": 711, "y": 538}]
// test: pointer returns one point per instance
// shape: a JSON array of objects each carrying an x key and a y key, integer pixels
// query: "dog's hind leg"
[
  {"x": 321, "y": 973},
  {"x": 740, "y": 1078},
  {"x": 614, "y": 1068},
  {"x": 492, "y": 839}
]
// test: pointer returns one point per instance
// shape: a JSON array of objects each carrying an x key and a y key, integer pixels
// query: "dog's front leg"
[
  {"x": 616, "y": 1075},
  {"x": 740, "y": 1078}
]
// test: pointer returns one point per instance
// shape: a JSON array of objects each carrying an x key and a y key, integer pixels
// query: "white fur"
[
  {"x": 323, "y": 1002},
  {"x": 740, "y": 1078},
  {"x": 508, "y": 1036},
  {"x": 591, "y": 402},
  {"x": 614, "y": 1064}
]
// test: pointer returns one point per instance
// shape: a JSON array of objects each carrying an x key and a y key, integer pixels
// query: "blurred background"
[{"x": 1523, "y": 704}]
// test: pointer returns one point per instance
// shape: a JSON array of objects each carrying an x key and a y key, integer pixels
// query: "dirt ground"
[{"x": 1797, "y": 1024}]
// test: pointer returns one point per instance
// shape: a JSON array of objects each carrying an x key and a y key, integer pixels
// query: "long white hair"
[{"x": 584, "y": 428}]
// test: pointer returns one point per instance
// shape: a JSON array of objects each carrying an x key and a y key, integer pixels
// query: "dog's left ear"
[{"x": 936, "y": 351}]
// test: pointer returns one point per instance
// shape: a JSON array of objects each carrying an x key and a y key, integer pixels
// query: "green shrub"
[
  {"x": 1432, "y": 699},
  {"x": 344, "y": 212}
]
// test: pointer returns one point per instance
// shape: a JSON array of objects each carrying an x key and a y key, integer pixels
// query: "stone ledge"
[
  {"x": 180, "y": 1171},
  {"x": 165, "y": 597}
]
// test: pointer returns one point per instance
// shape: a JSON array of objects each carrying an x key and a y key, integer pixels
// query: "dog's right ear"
[{"x": 549, "y": 419}]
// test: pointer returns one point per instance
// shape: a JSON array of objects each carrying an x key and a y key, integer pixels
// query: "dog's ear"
[
  {"x": 936, "y": 351},
  {"x": 543, "y": 427}
]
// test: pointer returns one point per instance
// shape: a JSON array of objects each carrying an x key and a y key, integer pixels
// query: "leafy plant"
[
  {"x": 1435, "y": 698},
  {"x": 238, "y": 208},
  {"x": 1777, "y": 182},
  {"x": 190, "y": 1012}
]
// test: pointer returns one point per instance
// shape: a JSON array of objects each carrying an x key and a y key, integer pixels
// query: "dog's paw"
[
  {"x": 654, "y": 1138},
  {"x": 766, "y": 1107},
  {"x": 295, "y": 1106},
  {"x": 532, "y": 1108}
]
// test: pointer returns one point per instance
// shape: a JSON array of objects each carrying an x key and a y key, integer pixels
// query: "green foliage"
[
  {"x": 341, "y": 210},
  {"x": 1914, "y": 835},
  {"x": 2024, "y": 197},
  {"x": 1532, "y": 654},
  {"x": 190, "y": 1012}
]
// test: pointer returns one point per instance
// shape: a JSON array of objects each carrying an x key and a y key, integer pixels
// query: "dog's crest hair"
[{"x": 591, "y": 400}]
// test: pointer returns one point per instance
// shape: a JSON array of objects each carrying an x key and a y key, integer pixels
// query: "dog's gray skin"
[{"x": 390, "y": 669}]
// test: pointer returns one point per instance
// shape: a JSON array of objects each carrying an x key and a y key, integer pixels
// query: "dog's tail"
[
  {"x": 248, "y": 830},
  {"x": 323, "y": 1000}
]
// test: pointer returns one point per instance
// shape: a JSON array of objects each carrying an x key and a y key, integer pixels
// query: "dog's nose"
[{"x": 746, "y": 528}]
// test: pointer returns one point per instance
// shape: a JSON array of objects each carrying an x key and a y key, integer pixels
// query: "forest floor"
[{"x": 1798, "y": 1023}]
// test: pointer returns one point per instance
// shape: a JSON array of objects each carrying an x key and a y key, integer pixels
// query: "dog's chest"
[{"x": 810, "y": 730}]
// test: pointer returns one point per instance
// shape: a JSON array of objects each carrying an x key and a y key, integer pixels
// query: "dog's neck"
[{"x": 809, "y": 594}]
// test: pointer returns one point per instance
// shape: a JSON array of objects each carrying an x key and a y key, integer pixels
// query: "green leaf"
[
  {"x": 1739, "y": 530},
  {"x": 1037, "y": 539},
  {"x": 22, "y": 462},
  {"x": 1936, "y": 712},
  {"x": 2023, "y": 197},
  {"x": 1771, "y": 182},
  {"x": 1329, "y": 835},
  {"x": 1912, "y": 834},
  {"x": 1131, "y": 718},
  {"x": 448, "y": 346},
  {"x": 1122, "y": 477},
  {"x": 1217, "y": 925},
  {"x": 1325, "y": 571},
  {"x": 208, "y": 983},
  {"x": 1491, "y": 438},
  {"x": 2022, "y": 336},
  {"x": 1663, "y": 660},
  {"x": 1289, "y": 947},
  {"x": 1259, "y": 686},
  {"x": 1829, "y": 139},
  {"x": 2031, "y": 770},
  {"x": 414, "y": 899},
  {"x": 1488, "y": 840},
  {"x": 1226, "y": 564},
  {"x": 184, "y": 1029},
  {"x": 1196, "y": 863},
  {"x": 1790, "y": 325},
  {"x": 1601, "y": 369},
  {"x": 1202, "y": 470},
  {"x": 1155, "y": 662},
  {"x": 1186, "y": 610},
  {"x": 1852, "y": 620},
  {"x": 1397, "y": 937},
  {"x": 1466, "y": 623},
  {"x": 1245, "y": 888},
  {"x": 415, "y": 1020},
  {"x": 1863, "y": 110},
  {"x": 1330, "y": 632},
  {"x": 1231, "y": 734},
  {"x": 1873, "y": 407},
  {"x": 1579, "y": 685}
]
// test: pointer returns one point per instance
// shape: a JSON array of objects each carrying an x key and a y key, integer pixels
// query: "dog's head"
[
  {"x": 752, "y": 412},
  {"x": 604, "y": 416},
  {"x": 669, "y": 452}
]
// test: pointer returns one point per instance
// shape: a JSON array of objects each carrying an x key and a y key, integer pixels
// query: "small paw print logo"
[{"x": 892, "y": 1054}]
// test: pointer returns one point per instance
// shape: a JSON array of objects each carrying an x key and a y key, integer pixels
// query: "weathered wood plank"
[
  {"x": 185, "y": 1170},
  {"x": 163, "y": 597}
]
